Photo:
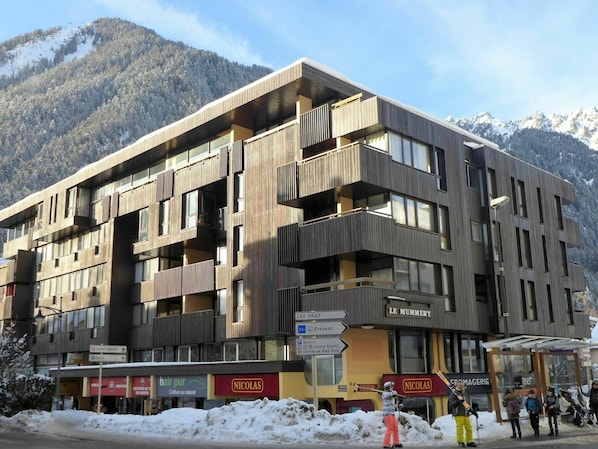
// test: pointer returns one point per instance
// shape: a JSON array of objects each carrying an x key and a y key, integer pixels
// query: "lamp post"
[
  {"x": 495, "y": 204},
  {"x": 38, "y": 318}
]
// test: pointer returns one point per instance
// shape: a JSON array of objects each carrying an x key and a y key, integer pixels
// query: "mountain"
[
  {"x": 564, "y": 145},
  {"x": 68, "y": 97}
]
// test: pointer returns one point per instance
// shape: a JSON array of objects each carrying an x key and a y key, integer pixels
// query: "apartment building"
[{"x": 195, "y": 247}]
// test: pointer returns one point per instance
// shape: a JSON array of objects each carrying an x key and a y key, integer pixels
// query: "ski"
[
  {"x": 459, "y": 395},
  {"x": 362, "y": 387}
]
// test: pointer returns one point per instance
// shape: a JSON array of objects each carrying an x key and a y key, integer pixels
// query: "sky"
[
  {"x": 276, "y": 423},
  {"x": 456, "y": 58}
]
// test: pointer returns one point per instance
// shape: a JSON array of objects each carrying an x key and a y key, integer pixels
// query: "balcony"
[
  {"x": 351, "y": 231},
  {"x": 186, "y": 280},
  {"x": 375, "y": 302}
]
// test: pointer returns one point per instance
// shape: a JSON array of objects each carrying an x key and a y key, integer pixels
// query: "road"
[{"x": 584, "y": 439}]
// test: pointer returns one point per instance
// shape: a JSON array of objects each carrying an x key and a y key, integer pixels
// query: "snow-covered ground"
[{"x": 262, "y": 422}]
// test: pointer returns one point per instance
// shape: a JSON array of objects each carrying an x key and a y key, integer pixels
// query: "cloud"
[{"x": 186, "y": 26}]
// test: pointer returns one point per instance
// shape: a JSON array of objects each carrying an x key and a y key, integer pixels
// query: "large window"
[
  {"x": 412, "y": 212},
  {"x": 472, "y": 354},
  {"x": 417, "y": 276},
  {"x": 412, "y": 352}
]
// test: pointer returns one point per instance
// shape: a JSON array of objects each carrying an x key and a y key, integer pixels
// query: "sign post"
[
  {"x": 105, "y": 353},
  {"x": 319, "y": 333}
]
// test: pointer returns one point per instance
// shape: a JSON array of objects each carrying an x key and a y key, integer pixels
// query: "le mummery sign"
[{"x": 394, "y": 311}]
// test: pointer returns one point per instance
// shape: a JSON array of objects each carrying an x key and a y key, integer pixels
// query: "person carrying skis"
[
  {"x": 461, "y": 415},
  {"x": 533, "y": 407},
  {"x": 389, "y": 407},
  {"x": 551, "y": 404},
  {"x": 512, "y": 404}
]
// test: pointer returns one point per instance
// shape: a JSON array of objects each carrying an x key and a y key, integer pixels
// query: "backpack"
[{"x": 514, "y": 406}]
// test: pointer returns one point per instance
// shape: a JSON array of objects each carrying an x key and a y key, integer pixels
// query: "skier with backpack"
[{"x": 512, "y": 403}]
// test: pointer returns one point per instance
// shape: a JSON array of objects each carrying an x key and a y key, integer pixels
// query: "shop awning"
[{"x": 540, "y": 343}]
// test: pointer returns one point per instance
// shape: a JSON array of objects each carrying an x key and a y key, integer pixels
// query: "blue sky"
[{"x": 511, "y": 58}]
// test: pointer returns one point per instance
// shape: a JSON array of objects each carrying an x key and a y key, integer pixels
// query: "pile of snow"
[{"x": 262, "y": 421}]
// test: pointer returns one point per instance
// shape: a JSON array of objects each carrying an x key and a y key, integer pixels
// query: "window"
[
  {"x": 190, "y": 209},
  {"x": 559, "y": 212},
  {"x": 143, "y": 217},
  {"x": 569, "y": 301},
  {"x": 523, "y": 292},
  {"x": 443, "y": 228},
  {"x": 221, "y": 253},
  {"x": 545, "y": 253},
  {"x": 221, "y": 302},
  {"x": 144, "y": 313},
  {"x": 238, "y": 301},
  {"x": 526, "y": 254},
  {"x": 564, "y": 265},
  {"x": 539, "y": 202},
  {"x": 418, "y": 276},
  {"x": 412, "y": 352},
  {"x": 472, "y": 354},
  {"x": 532, "y": 313},
  {"x": 440, "y": 170},
  {"x": 476, "y": 231},
  {"x": 329, "y": 369},
  {"x": 448, "y": 290},
  {"x": 521, "y": 198},
  {"x": 473, "y": 176},
  {"x": 239, "y": 192},
  {"x": 238, "y": 245},
  {"x": 414, "y": 213},
  {"x": 550, "y": 305},
  {"x": 164, "y": 217},
  {"x": 379, "y": 203}
]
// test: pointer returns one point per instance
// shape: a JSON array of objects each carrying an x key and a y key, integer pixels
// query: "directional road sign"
[
  {"x": 315, "y": 315},
  {"x": 320, "y": 346},
  {"x": 107, "y": 357},
  {"x": 320, "y": 328},
  {"x": 107, "y": 349}
]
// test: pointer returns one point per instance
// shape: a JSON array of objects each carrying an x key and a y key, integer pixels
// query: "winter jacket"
[
  {"x": 512, "y": 404},
  {"x": 551, "y": 402},
  {"x": 456, "y": 407},
  {"x": 533, "y": 406},
  {"x": 389, "y": 406},
  {"x": 593, "y": 397}
]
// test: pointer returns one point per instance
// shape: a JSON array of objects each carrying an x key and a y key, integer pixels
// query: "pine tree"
[{"x": 20, "y": 388}]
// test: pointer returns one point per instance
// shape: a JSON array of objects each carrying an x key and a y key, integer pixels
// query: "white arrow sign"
[
  {"x": 320, "y": 346},
  {"x": 320, "y": 315},
  {"x": 107, "y": 357},
  {"x": 320, "y": 328}
]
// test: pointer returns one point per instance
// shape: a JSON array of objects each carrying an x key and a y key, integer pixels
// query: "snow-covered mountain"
[{"x": 581, "y": 124}]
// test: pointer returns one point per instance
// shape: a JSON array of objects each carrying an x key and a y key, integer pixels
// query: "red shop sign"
[
  {"x": 141, "y": 386},
  {"x": 247, "y": 385},
  {"x": 417, "y": 384},
  {"x": 111, "y": 386}
]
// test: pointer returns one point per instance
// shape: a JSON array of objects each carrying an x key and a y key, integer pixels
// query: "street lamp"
[
  {"x": 39, "y": 318},
  {"x": 495, "y": 204}
]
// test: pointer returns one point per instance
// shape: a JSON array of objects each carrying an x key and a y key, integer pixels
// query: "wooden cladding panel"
[
  {"x": 114, "y": 205},
  {"x": 237, "y": 156},
  {"x": 106, "y": 203},
  {"x": 165, "y": 185},
  {"x": 168, "y": 283},
  {"x": 197, "y": 327},
  {"x": 167, "y": 331},
  {"x": 223, "y": 166},
  {"x": 315, "y": 126},
  {"x": 288, "y": 244},
  {"x": 198, "y": 277},
  {"x": 289, "y": 301},
  {"x": 286, "y": 187}
]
